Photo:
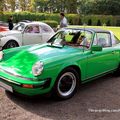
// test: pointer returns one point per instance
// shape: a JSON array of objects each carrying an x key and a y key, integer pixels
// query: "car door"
[
  {"x": 32, "y": 35},
  {"x": 47, "y": 32},
  {"x": 99, "y": 62}
]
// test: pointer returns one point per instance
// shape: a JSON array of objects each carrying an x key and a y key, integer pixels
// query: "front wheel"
[
  {"x": 117, "y": 72},
  {"x": 66, "y": 84},
  {"x": 10, "y": 44}
]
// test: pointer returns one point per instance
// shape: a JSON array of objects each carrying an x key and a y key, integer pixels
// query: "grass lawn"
[{"x": 115, "y": 30}]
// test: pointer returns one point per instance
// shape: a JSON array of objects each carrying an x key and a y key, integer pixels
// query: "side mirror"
[{"x": 96, "y": 48}]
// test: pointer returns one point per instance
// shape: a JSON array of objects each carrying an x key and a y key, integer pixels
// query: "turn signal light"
[{"x": 27, "y": 86}]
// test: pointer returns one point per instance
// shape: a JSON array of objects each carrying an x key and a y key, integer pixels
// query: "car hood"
[
  {"x": 19, "y": 61},
  {"x": 10, "y": 32}
]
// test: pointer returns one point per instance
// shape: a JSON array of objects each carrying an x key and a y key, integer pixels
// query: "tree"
[
  {"x": 12, "y": 4},
  {"x": 106, "y": 7},
  {"x": 27, "y": 5},
  {"x": 69, "y": 6},
  {"x": 85, "y": 6},
  {"x": 1, "y": 6},
  {"x": 98, "y": 23},
  {"x": 41, "y": 5},
  {"x": 89, "y": 22},
  {"x": 108, "y": 23}
]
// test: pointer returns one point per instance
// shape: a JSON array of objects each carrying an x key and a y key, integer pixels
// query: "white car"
[{"x": 25, "y": 33}]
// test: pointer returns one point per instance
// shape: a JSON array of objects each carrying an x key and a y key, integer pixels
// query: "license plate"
[{"x": 5, "y": 86}]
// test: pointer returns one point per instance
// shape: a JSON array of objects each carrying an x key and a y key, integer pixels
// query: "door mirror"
[{"x": 96, "y": 48}]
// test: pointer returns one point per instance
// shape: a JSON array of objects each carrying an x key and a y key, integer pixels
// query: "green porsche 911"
[{"x": 71, "y": 57}]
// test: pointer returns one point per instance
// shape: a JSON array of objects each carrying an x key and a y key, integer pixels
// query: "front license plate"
[{"x": 5, "y": 86}]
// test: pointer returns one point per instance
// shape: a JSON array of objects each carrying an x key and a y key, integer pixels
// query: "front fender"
[
  {"x": 65, "y": 65},
  {"x": 6, "y": 39}
]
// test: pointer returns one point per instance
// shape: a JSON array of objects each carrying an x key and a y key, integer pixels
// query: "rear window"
[
  {"x": 115, "y": 41},
  {"x": 46, "y": 28},
  {"x": 103, "y": 39}
]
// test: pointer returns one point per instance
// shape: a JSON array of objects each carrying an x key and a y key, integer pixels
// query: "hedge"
[
  {"x": 73, "y": 19},
  {"x": 52, "y": 23},
  {"x": 103, "y": 19}
]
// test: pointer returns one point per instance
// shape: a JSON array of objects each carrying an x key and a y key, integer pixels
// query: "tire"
[
  {"x": 10, "y": 44},
  {"x": 66, "y": 84},
  {"x": 117, "y": 72}
]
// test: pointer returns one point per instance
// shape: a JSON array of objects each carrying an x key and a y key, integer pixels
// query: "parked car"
[
  {"x": 3, "y": 26},
  {"x": 2, "y": 29},
  {"x": 62, "y": 64},
  {"x": 25, "y": 33}
]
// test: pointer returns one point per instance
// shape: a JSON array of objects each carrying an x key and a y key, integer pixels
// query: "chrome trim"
[
  {"x": 98, "y": 75},
  {"x": 16, "y": 75},
  {"x": 5, "y": 86},
  {"x": 3, "y": 78}
]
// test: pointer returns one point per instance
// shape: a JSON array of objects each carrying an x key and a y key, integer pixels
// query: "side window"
[
  {"x": 28, "y": 29},
  {"x": 115, "y": 41},
  {"x": 46, "y": 29},
  {"x": 102, "y": 39},
  {"x": 86, "y": 38},
  {"x": 36, "y": 29},
  {"x": 32, "y": 29}
]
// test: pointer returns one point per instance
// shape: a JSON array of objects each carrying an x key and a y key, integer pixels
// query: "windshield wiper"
[{"x": 55, "y": 45}]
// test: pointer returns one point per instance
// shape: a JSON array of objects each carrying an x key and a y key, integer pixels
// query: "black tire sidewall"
[
  {"x": 56, "y": 92},
  {"x": 6, "y": 45}
]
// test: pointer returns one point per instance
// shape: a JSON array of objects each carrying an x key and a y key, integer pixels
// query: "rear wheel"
[
  {"x": 66, "y": 84},
  {"x": 10, "y": 44}
]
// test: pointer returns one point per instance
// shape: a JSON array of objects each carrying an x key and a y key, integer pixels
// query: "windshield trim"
[
  {"x": 62, "y": 42},
  {"x": 19, "y": 25}
]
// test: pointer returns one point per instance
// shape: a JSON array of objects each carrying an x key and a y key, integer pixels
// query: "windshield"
[
  {"x": 19, "y": 27},
  {"x": 72, "y": 37}
]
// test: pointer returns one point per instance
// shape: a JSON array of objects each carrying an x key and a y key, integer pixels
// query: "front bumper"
[{"x": 40, "y": 88}]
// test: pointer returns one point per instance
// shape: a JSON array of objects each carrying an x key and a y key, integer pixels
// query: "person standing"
[
  {"x": 10, "y": 22},
  {"x": 63, "y": 22}
]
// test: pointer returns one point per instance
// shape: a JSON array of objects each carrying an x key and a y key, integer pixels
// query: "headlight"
[
  {"x": 1, "y": 55},
  {"x": 37, "y": 68}
]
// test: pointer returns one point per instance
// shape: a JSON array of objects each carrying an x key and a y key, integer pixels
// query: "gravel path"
[{"x": 97, "y": 100}]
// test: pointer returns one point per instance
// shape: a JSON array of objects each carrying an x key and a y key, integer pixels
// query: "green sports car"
[{"x": 71, "y": 57}]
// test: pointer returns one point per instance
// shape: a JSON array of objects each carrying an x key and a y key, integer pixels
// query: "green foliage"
[
  {"x": 118, "y": 23},
  {"x": 106, "y": 7},
  {"x": 52, "y": 23},
  {"x": 90, "y": 22},
  {"x": 103, "y": 19},
  {"x": 108, "y": 23},
  {"x": 54, "y": 16},
  {"x": 80, "y": 22},
  {"x": 98, "y": 23},
  {"x": 73, "y": 19},
  {"x": 86, "y": 7}
]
